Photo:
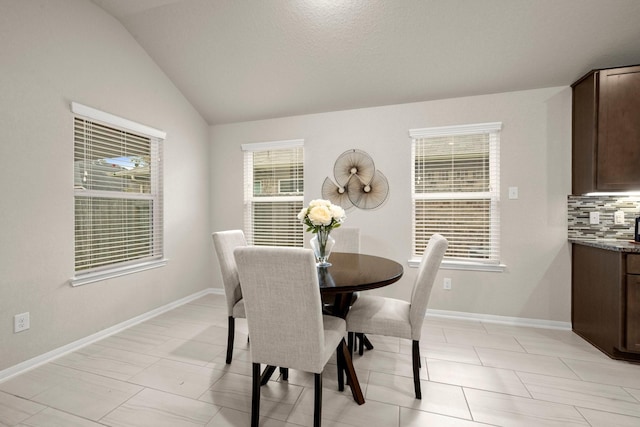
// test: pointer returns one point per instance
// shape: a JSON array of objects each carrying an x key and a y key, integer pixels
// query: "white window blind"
[
  {"x": 455, "y": 190},
  {"x": 274, "y": 193},
  {"x": 118, "y": 194}
]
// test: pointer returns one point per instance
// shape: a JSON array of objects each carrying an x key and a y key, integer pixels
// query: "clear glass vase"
[{"x": 322, "y": 243}]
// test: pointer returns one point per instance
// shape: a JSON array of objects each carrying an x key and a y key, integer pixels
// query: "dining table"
[{"x": 347, "y": 274}]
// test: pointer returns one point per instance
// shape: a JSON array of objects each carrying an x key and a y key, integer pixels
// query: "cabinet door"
[
  {"x": 619, "y": 129},
  {"x": 583, "y": 126},
  {"x": 633, "y": 313}
]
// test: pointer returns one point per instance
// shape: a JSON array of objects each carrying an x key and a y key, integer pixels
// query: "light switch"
[{"x": 513, "y": 192}]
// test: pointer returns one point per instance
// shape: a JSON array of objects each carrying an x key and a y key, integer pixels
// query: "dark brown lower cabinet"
[
  {"x": 633, "y": 312},
  {"x": 605, "y": 298}
]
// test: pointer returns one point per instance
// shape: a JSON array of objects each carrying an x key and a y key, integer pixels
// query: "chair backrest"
[
  {"x": 347, "y": 239},
  {"x": 225, "y": 242},
  {"x": 429, "y": 265},
  {"x": 282, "y": 304}
]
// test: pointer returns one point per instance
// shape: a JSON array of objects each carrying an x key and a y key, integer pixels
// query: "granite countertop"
[{"x": 609, "y": 244}]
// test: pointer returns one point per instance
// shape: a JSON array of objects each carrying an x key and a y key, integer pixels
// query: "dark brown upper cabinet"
[{"x": 606, "y": 131}]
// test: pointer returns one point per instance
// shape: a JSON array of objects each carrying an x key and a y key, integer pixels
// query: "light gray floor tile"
[
  {"x": 524, "y": 362},
  {"x": 415, "y": 418},
  {"x": 482, "y": 339},
  {"x": 188, "y": 351},
  {"x": 277, "y": 399},
  {"x": 107, "y": 361},
  {"x": 15, "y": 409},
  {"x": 503, "y": 409},
  {"x": 160, "y": 409},
  {"x": 480, "y": 377},
  {"x": 179, "y": 378},
  {"x": 53, "y": 418},
  {"x": 444, "y": 351},
  {"x": 547, "y": 346},
  {"x": 232, "y": 418},
  {"x": 449, "y": 323},
  {"x": 581, "y": 394},
  {"x": 623, "y": 374},
  {"x": 87, "y": 395},
  {"x": 340, "y": 409},
  {"x": 387, "y": 362},
  {"x": 607, "y": 419},
  {"x": 439, "y": 398},
  {"x": 635, "y": 392}
]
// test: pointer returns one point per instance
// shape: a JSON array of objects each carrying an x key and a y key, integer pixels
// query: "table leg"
[
  {"x": 341, "y": 304},
  {"x": 266, "y": 374},
  {"x": 352, "y": 378}
]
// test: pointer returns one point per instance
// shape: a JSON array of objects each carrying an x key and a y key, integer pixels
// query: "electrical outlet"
[
  {"x": 618, "y": 217},
  {"x": 21, "y": 322},
  {"x": 513, "y": 193},
  {"x": 447, "y": 283},
  {"x": 594, "y": 218}
]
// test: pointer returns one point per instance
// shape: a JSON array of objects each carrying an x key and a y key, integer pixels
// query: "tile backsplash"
[{"x": 579, "y": 208}]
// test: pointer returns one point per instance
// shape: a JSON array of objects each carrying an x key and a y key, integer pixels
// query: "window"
[
  {"x": 455, "y": 192},
  {"x": 118, "y": 196},
  {"x": 274, "y": 193}
]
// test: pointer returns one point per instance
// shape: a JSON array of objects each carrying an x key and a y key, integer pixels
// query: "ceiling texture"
[{"x": 243, "y": 60}]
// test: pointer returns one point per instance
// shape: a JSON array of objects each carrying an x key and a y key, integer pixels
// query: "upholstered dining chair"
[
  {"x": 225, "y": 242},
  {"x": 286, "y": 324},
  {"x": 347, "y": 239},
  {"x": 372, "y": 314}
]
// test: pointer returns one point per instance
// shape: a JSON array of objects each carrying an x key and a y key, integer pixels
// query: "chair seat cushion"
[
  {"x": 372, "y": 314},
  {"x": 238, "y": 310}
]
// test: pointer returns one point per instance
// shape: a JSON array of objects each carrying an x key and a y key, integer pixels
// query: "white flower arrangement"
[{"x": 322, "y": 215}]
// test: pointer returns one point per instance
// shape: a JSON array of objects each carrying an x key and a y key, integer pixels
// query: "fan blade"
[
  {"x": 353, "y": 163},
  {"x": 331, "y": 192},
  {"x": 377, "y": 194}
]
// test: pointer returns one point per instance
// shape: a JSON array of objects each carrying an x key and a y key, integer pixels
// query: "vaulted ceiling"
[{"x": 241, "y": 60}]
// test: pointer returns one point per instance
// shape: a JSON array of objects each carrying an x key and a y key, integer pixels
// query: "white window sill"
[
  {"x": 84, "y": 279},
  {"x": 464, "y": 265}
]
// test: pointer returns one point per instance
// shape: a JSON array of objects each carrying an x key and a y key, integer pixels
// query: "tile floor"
[{"x": 170, "y": 371}]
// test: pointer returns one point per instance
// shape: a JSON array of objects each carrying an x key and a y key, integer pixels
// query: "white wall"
[
  {"x": 535, "y": 157},
  {"x": 52, "y": 53}
]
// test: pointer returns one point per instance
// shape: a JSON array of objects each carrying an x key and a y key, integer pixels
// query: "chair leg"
[
  {"x": 255, "y": 396},
  {"x": 360, "y": 344},
  {"x": 340, "y": 361},
  {"x": 232, "y": 328},
  {"x": 351, "y": 341},
  {"x": 367, "y": 343},
  {"x": 284, "y": 372},
  {"x": 415, "y": 352},
  {"x": 317, "y": 403}
]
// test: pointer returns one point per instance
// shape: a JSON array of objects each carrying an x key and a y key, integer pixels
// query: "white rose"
[
  {"x": 319, "y": 202},
  {"x": 320, "y": 215},
  {"x": 337, "y": 213},
  {"x": 302, "y": 214}
]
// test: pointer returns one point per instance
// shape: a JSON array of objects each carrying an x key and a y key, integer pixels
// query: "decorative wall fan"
[{"x": 359, "y": 184}]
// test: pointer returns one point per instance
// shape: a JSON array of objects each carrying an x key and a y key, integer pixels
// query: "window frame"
[
  {"x": 250, "y": 185},
  {"x": 155, "y": 196},
  {"x": 493, "y": 195}
]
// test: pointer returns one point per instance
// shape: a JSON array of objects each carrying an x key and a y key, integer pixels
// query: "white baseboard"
[
  {"x": 65, "y": 349},
  {"x": 61, "y": 351},
  {"x": 504, "y": 320}
]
